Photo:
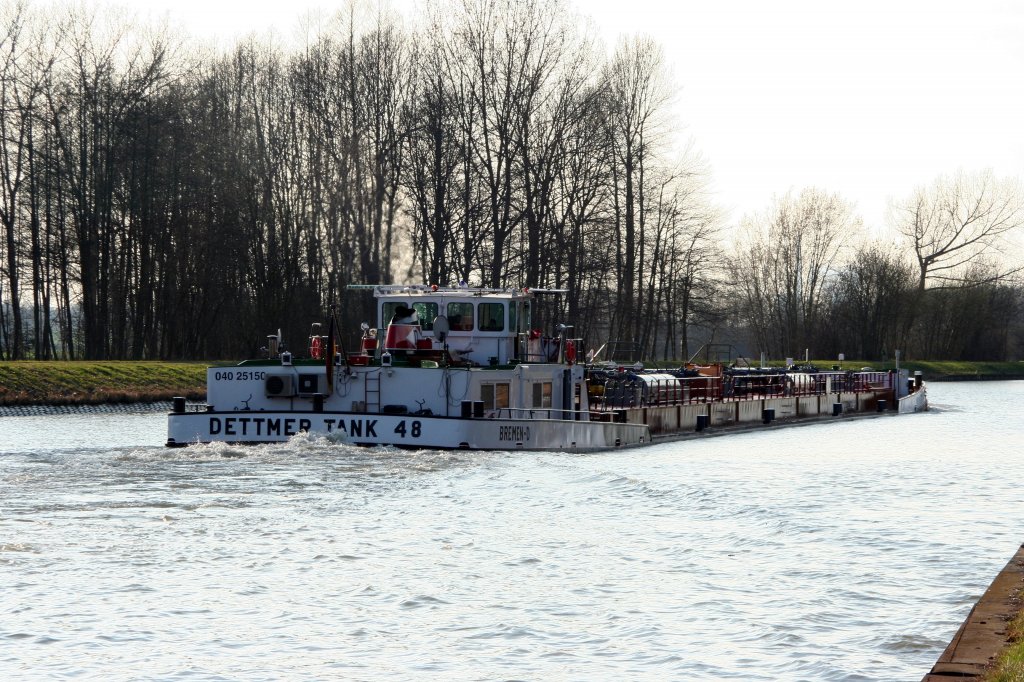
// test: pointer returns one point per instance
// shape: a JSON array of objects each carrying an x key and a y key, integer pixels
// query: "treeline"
[
  {"x": 806, "y": 279},
  {"x": 162, "y": 202}
]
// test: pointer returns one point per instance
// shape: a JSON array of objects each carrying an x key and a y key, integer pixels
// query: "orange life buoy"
[
  {"x": 315, "y": 348},
  {"x": 570, "y": 352}
]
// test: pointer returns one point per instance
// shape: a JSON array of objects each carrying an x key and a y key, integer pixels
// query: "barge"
[{"x": 458, "y": 367}]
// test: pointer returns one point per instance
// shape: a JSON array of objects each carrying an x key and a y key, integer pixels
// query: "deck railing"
[
  {"x": 547, "y": 349},
  {"x": 640, "y": 391}
]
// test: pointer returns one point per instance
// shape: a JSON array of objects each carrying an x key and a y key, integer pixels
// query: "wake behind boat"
[{"x": 456, "y": 367}]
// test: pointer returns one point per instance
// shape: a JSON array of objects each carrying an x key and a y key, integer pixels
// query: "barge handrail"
[{"x": 638, "y": 390}]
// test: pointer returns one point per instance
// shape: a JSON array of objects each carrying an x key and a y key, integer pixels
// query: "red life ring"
[
  {"x": 315, "y": 348},
  {"x": 570, "y": 352}
]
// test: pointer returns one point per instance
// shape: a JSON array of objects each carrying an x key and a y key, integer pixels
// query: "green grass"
[
  {"x": 935, "y": 369},
  {"x": 948, "y": 368},
  {"x": 62, "y": 383},
  {"x": 1009, "y": 667}
]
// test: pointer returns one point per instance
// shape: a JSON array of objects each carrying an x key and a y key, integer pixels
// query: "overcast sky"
[{"x": 867, "y": 99}]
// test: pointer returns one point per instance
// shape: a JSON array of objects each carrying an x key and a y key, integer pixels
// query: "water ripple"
[{"x": 765, "y": 556}]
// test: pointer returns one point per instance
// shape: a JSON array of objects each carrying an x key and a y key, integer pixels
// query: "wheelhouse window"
[
  {"x": 542, "y": 394},
  {"x": 426, "y": 312},
  {"x": 494, "y": 396},
  {"x": 492, "y": 317},
  {"x": 460, "y": 316},
  {"x": 389, "y": 309}
]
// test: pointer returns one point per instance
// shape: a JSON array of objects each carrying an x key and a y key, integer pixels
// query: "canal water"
[{"x": 845, "y": 550}]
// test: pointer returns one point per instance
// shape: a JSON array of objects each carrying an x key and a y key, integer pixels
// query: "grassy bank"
[
  {"x": 949, "y": 370},
  {"x": 64, "y": 383},
  {"x": 938, "y": 370},
  {"x": 1009, "y": 667}
]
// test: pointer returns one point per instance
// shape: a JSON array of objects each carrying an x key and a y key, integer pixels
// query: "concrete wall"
[
  {"x": 670, "y": 419},
  {"x": 749, "y": 410},
  {"x": 662, "y": 419},
  {"x": 849, "y": 401},
  {"x": 683, "y": 418},
  {"x": 869, "y": 401},
  {"x": 688, "y": 415},
  {"x": 785, "y": 408},
  {"x": 723, "y": 413},
  {"x": 808, "y": 405}
]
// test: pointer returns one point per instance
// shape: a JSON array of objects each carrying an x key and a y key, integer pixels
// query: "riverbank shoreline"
[
  {"x": 975, "y": 377},
  {"x": 32, "y": 382},
  {"x": 56, "y": 383},
  {"x": 141, "y": 407},
  {"x": 983, "y": 637}
]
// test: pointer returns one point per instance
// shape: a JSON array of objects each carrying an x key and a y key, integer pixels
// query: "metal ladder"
[{"x": 373, "y": 392}]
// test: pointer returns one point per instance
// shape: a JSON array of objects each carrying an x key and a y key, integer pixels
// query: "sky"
[{"x": 869, "y": 99}]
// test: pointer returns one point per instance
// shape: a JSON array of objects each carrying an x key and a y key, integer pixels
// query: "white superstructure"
[
  {"x": 444, "y": 367},
  {"x": 456, "y": 367}
]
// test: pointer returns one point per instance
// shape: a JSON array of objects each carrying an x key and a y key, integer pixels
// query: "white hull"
[
  {"x": 404, "y": 430},
  {"x": 915, "y": 402},
  {"x": 476, "y": 353}
]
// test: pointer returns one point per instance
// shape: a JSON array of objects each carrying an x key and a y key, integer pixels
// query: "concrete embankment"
[
  {"x": 102, "y": 408},
  {"x": 976, "y": 377},
  {"x": 982, "y": 637}
]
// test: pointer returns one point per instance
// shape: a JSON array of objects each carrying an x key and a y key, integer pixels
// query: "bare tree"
[
  {"x": 637, "y": 93},
  {"x": 177, "y": 212},
  {"x": 439, "y": 189},
  {"x": 782, "y": 268},
  {"x": 25, "y": 65},
  {"x": 105, "y": 79},
  {"x": 689, "y": 272},
  {"x": 483, "y": 56},
  {"x": 386, "y": 86},
  {"x": 972, "y": 320},
  {"x": 958, "y": 220},
  {"x": 871, "y": 303},
  {"x": 12, "y": 152}
]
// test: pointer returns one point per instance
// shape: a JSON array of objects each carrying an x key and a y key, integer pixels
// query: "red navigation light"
[{"x": 433, "y": 287}]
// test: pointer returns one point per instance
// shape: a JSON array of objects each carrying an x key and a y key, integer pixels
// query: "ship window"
[
  {"x": 426, "y": 312},
  {"x": 542, "y": 394},
  {"x": 492, "y": 317},
  {"x": 494, "y": 396},
  {"x": 512, "y": 309},
  {"x": 389, "y": 310},
  {"x": 460, "y": 316}
]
